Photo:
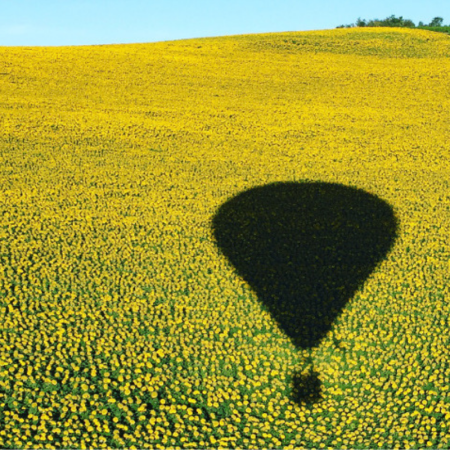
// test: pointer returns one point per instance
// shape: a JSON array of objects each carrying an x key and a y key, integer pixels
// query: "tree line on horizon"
[{"x": 437, "y": 24}]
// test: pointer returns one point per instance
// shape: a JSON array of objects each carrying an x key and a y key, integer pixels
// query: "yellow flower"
[{"x": 115, "y": 161}]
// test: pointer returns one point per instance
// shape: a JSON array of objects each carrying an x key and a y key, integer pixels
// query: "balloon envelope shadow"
[{"x": 305, "y": 249}]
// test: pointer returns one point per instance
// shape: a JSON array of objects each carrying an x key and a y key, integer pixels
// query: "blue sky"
[{"x": 82, "y": 22}]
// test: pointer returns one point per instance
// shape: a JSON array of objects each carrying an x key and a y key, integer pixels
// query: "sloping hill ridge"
[{"x": 386, "y": 43}]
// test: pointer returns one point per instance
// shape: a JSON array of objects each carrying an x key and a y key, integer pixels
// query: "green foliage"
[
  {"x": 436, "y": 22},
  {"x": 443, "y": 29},
  {"x": 392, "y": 21}
]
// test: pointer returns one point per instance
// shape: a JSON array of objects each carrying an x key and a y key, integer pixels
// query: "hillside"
[{"x": 134, "y": 180}]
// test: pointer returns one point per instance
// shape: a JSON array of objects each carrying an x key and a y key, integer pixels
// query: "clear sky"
[{"x": 81, "y": 22}]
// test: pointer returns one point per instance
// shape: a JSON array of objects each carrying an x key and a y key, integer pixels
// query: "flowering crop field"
[{"x": 234, "y": 242}]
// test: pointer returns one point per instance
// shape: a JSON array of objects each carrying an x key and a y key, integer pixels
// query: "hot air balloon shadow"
[{"x": 305, "y": 248}]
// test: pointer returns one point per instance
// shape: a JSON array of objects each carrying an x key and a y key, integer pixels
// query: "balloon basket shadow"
[{"x": 306, "y": 388}]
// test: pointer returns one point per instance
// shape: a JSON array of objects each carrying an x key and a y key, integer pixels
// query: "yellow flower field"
[{"x": 234, "y": 242}]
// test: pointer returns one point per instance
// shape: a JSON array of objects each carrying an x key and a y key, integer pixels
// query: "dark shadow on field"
[{"x": 305, "y": 249}]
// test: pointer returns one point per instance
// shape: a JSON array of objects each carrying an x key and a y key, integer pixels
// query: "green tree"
[
  {"x": 436, "y": 22},
  {"x": 391, "y": 21}
]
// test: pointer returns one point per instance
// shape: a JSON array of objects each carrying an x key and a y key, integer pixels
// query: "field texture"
[{"x": 227, "y": 242}]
